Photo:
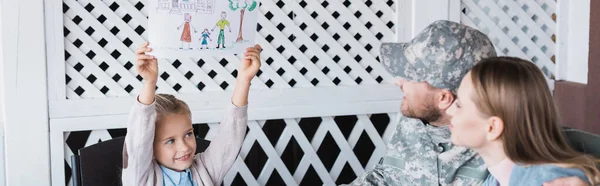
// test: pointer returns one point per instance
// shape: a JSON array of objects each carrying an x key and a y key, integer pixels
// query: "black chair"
[
  {"x": 582, "y": 141},
  {"x": 101, "y": 163}
]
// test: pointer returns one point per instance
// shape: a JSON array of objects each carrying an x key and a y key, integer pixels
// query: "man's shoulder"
[
  {"x": 410, "y": 129},
  {"x": 467, "y": 164},
  {"x": 404, "y": 119},
  {"x": 411, "y": 124}
]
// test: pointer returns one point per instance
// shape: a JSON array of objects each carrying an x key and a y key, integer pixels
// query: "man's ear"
[{"x": 444, "y": 98}]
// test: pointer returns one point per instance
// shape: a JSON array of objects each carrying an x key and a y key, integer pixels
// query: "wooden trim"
[
  {"x": 315, "y": 97},
  {"x": 593, "y": 87},
  {"x": 55, "y": 49},
  {"x": 570, "y": 100},
  {"x": 573, "y": 28}
]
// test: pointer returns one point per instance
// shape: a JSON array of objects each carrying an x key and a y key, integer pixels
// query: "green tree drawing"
[{"x": 247, "y": 5}]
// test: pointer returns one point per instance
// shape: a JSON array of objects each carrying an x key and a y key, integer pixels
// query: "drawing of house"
[
  {"x": 163, "y": 5},
  {"x": 205, "y": 6},
  {"x": 175, "y": 7},
  {"x": 186, "y": 6}
]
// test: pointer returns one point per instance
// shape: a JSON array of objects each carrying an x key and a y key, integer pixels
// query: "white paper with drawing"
[{"x": 191, "y": 28}]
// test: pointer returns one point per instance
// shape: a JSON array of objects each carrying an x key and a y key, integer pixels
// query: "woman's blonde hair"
[
  {"x": 167, "y": 104},
  {"x": 516, "y": 91}
]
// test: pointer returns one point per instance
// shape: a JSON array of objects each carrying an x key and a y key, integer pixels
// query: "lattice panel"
[
  {"x": 307, "y": 44},
  {"x": 306, "y": 151},
  {"x": 523, "y": 28}
]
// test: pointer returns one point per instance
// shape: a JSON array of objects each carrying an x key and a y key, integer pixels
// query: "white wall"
[
  {"x": 26, "y": 139},
  {"x": 2, "y": 178}
]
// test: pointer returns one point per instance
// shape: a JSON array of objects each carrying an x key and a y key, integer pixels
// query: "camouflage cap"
[{"x": 441, "y": 54}]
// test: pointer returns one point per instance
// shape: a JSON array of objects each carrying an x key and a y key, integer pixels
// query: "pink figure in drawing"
[{"x": 186, "y": 34}]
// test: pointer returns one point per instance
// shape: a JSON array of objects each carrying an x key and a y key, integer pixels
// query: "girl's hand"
[
  {"x": 250, "y": 64},
  {"x": 146, "y": 65}
]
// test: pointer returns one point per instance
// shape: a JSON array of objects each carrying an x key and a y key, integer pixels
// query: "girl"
[
  {"x": 160, "y": 146},
  {"x": 505, "y": 112}
]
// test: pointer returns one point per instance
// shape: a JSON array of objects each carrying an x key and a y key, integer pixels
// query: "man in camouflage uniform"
[{"x": 431, "y": 66}]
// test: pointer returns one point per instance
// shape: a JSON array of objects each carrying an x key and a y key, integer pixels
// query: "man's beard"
[{"x": 429, "y": 113}]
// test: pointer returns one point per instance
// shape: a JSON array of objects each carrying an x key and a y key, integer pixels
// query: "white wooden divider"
[
  {"x": 25, "y": 129},
  {"x": 320, "y": 69}
]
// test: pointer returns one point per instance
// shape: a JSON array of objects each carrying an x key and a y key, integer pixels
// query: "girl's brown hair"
[
  {"x": 167, "y": 104},
  {"x": 516, "y": 91}
]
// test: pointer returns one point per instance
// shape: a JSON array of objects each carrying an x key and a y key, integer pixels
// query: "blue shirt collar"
[{"x": 179, "y": 178}]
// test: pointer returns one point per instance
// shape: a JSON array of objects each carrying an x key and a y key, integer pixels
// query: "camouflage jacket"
[{"x": 421, "y": 154}]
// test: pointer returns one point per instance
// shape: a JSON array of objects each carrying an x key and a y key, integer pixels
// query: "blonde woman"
[{"x": 505, "y": 112}]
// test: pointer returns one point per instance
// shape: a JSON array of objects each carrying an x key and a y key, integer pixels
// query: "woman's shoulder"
[
  {"x": 550, "y": 169},
  {"x": 491, "y": 181},
  {"x": 539, "y": 174}
]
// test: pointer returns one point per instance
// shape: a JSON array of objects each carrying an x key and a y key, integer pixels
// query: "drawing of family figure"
[
  {"x": 222, "y": 23},
  {"x": 205, "y": 36},
  {"x": 186, "y": 34}
]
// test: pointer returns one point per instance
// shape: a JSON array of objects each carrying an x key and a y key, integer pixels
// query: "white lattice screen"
[
  {"x": 522, "y": 28},
  {"x": 307, "y": 151},
  {"x": 339, "y": 44},
  {"x": 307, "y": 44}
]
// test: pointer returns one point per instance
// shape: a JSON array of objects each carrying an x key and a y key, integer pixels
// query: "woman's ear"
[
  {"x": 495, "y": 128},
  {"x": 445, "y": 98}
]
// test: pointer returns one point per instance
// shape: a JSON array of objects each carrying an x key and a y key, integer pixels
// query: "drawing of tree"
[{"x": 247, "y": 5}]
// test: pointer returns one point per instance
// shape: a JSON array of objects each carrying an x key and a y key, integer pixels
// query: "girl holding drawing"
[
  {"x": 186, "y": 35},
  {"x": 160, "y": 146}
]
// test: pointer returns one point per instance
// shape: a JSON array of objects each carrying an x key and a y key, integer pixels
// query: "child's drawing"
[{"x": 172, "y": 27}]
